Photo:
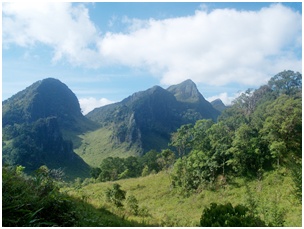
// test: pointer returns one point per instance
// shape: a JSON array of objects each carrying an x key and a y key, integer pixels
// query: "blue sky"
[{"x": 105, "y": 52}]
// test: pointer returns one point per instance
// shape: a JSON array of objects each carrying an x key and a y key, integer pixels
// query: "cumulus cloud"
[
  {"x": 88, "y": 104},
  {"x": 62, "y": 26},
  {"x": 213, "y": 47},
  {"x": 217, "y": 47},
  {"x": 226, "y": 99}
]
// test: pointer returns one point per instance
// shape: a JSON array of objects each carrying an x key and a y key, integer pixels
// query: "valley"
[
  {"x": 97, "y": 145},
  {"x": 160, "y": 157}
]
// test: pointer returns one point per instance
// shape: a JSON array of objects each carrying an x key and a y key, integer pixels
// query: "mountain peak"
[
  {"x": 45, "y": 98},
  {"x": 218, "y": 105},
  {"x": 186, "y": 91}
]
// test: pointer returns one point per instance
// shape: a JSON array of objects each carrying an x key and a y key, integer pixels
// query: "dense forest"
[{"x": 260, "y": 133}]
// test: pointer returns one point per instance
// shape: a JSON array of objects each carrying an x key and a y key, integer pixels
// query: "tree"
[
  {"x": 150, "y": 160},
  {"x": 286, "y": 82},
  {"x": 282, "y": 129},
  {"x": 246, "y": 151},
  {"x": 166, "y": 159},
  {"x": 220, "y": 140},
  {"x": 201, "y": 139},
  {"x": 182, "y": 139},
  {"x": 94, "y": 172},
  {"x": 110, "y": 168},
  {"x": 132, "y": 164}
]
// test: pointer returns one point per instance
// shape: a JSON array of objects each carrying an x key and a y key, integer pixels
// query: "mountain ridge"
[
  {"x": 155, "y": 113},
  {"x": 48, "y": 113}
]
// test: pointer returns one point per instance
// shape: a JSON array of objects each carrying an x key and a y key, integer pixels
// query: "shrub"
[
  {"x": 132, "y": 204},
  {"x": 116, "y": 195},
  {"x": 33, "y": 201},
  {"x": 225, "y": 215}
]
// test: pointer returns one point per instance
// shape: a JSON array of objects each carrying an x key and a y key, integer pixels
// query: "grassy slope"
[
  {"x": 96, "y": 146},
  {"x": 168, "y": 208}
]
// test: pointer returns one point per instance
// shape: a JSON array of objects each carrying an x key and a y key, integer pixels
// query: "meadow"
[{"x": 272, "y": 198}]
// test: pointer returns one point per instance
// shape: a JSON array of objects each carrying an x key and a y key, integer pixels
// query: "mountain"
[
  {"x": 43, "y": 124},
  {"x": 39, "y": 124},
  {"x": 146, "y": 119},
  {"x": 218, "y": 105},
  {"x": 186, "y": 92},
  {"x": 46, "y": 98}
]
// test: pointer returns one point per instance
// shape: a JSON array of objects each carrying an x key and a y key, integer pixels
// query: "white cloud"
[
  {"x": 88, "y": 104},
  {"x": 64, "y": 27},
  {"x": 226, "y": 99},
  {"x": 216, "y": 48},
  {"x": 213, "y": 47}
]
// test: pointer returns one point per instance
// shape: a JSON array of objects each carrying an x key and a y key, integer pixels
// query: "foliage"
[
  {"x": 296, "y": 172},
  {"x": 286, "y": 82},
  {"x": 165, "y": 159},
  {"x": 132, "y": 204},
  {"x": 116, "y": 195},
  {"x": 41, "y": 142},
  {"x": 262, "y": 130},
  {"x": 34, "y": 201},
  {"x": 225, "y": 215},
  {"x": 94, "y": 172},
  {"x": 115, "y": 168}
]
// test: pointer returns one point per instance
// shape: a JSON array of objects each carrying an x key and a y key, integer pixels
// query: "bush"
[
  {"x": 33, "y": 202},
  {"x": 116, "y": 195},
  {"x": 132, "y": 204},
  {"x": 225, "y": 215}
]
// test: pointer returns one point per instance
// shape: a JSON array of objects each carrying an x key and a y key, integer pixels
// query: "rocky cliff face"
[{"x": 149, "y": 117}]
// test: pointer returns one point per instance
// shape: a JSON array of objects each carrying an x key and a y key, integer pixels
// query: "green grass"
[
  {"x": 37, "y": 202},
  {"x": 167, "y": 207},
  {"x": 96, "y": 146}
]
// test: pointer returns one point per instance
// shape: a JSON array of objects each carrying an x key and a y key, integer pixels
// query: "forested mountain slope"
[{"x": 38, "y": 126}]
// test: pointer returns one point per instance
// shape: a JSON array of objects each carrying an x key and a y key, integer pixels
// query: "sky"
[{"x": 105, "y": 52}]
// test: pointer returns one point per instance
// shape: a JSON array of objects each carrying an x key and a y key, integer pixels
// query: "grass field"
[
  {"x": 165, "y": 206},
  {"x": 96, "y": 146}
]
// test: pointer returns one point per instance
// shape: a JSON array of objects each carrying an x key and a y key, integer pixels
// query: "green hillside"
[
  {"x": 249, "y": 161},
  {"x": 168, "y": 207},
  {"x": 244, "y": 170},
  {"x": 97, "y": 145}
]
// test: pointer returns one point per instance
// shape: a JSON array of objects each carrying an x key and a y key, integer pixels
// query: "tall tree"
[{"x": 286, "y": 82}]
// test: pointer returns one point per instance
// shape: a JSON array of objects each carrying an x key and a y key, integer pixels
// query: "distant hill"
[
  {"x": 146, "y": 119},
  {"x": 218, "y": 105},
  {"x": 39, "y": 124}
]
